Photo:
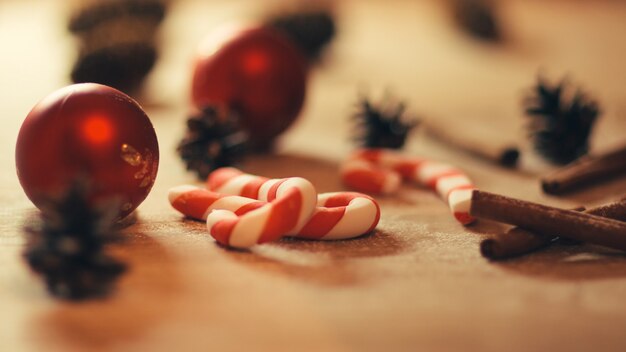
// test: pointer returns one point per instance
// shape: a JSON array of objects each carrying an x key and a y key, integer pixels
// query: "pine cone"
[
  {"x": 117, "y": 41},
  {"x": 560, "y": 127},
  {"x": 213, "y": 140},
  {"x": 381, "y": 127},
  {"x": 68, "y": 247}
]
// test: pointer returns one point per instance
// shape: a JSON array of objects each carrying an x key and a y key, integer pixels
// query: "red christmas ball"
[
  {"x": 258, "y": 73},
  {"x": 88, "y": 132}
]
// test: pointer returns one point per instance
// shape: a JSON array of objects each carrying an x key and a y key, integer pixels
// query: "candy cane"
[
  {"x": 341, "y": 215},
  {"x": 338, "y": 215},
  {"x": 284, "y": 206},
  {"x": 231, "y": 181},
  {"x": 290, "y": 203},
  {"x": 197, "y": 203},
  {"x": 380, "y": 171}
]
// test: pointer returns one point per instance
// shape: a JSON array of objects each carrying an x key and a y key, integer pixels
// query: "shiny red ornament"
[
  {"x": 258, "y": 73},
  {"x": 88, "y": 132}
]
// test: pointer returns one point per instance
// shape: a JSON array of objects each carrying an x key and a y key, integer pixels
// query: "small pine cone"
[
  {"x": 213, "y": 140},
  {"x": 561, "y": 120},
  {"x": 68, "y": 246},
  {"x": 381, "y": 126}
]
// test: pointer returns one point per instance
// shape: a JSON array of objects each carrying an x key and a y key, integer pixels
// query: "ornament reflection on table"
[{"x": 92, "y": 133}]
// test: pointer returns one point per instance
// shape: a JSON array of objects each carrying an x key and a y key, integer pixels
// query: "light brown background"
[{"x": 418, "y": 283}]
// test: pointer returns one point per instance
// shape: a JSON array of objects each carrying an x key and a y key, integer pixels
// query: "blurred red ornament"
[
  {"x": 88, "y": 132},
  {"x": 258, "y": 73}
]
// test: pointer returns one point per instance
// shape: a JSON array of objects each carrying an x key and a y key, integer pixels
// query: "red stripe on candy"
[
  {"x": 407, "y": 169},
  {"x": 222, "y": 230},
  {"x": 283, "y": 216},
  {"x": 464, "y": 218},
  {"x": 220, "y": 176},
  {"x": 249, "y": 207},
  {"x": 370, "y": 181},
  {"x": 342, "y": 199},
  {"x": 322, "y": 221},
  {"x": 195, "y": 203},
  {"x": 251, "y": 189},
  {"x": 372, "y": 155}
]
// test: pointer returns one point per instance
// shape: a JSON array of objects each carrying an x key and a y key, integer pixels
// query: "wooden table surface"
[{"x": 418, "y": 283}]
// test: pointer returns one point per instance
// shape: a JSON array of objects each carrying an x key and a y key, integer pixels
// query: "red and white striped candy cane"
[
  {"x": 197, "y": 203},
  {"x": 228, "y": 180},
  {"x": 380, "y": 171},
  {"x": 338, "y": 215},
  {"x": 290, "y": 203},
  {"x": 341, "y": 215}
]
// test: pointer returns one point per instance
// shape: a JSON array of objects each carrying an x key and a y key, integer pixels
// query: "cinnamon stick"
[
  {"x": 518, "y": 241},
  {"x": 472, "y": 139},
  {"x": 548, "y": 221},
  {"x": 585, "y": 171}
]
